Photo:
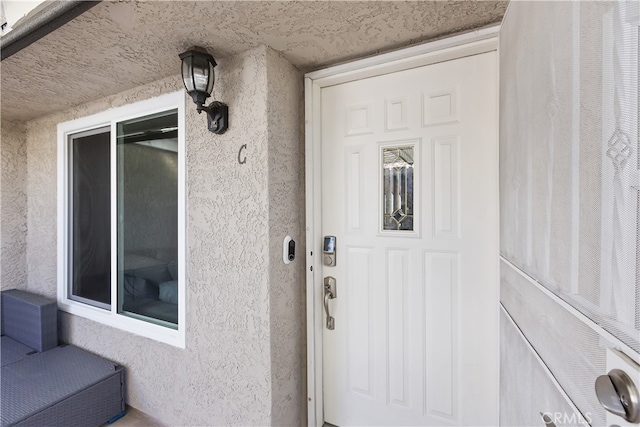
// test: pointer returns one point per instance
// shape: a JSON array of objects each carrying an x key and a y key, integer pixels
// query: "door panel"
[
  {"x": 409, "y": 189},
  {"x": 569, "y": 187},
  {"x": 528, "y": 391}
]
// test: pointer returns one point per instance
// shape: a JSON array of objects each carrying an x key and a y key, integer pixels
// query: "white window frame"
[{"x": 110, "y": 118}]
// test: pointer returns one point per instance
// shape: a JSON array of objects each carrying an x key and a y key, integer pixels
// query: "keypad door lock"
[{"x": 329, "y": 251}]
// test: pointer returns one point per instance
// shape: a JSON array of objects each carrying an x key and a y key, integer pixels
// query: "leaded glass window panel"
[{"x": 397, "y": 188}]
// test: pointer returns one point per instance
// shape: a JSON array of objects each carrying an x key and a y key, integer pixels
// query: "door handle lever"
[
  {"x": 329, "y": 293},
  {"x": 548, "y": 422}
]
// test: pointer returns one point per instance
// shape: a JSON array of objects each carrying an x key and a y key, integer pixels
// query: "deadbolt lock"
[
  {"x": 329, "y": 251},
  {"x": 618, "y": 394}
]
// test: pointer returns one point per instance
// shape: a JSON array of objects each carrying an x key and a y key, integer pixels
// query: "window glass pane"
[
  {"x": 147, "y": 188},
  {"x": 90, "y": 225},
  {"x": 397, "y": 188}
]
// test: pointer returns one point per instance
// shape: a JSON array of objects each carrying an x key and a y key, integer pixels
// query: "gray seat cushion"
[
  {"x": 159, "y": 310},
  {"x": 12, "y": 351},
  {"x": 43, "y": 380}
]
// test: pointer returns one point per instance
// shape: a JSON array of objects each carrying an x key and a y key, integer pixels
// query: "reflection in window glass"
[
  {"x": 147, "y": 189},
  {"x": 397, "y": 166}
]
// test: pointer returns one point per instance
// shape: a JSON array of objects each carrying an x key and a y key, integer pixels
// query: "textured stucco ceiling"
[{"x": 119, "y": 45}]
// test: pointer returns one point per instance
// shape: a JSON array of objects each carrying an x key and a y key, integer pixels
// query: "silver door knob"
[{"x": 619, "y": 395}]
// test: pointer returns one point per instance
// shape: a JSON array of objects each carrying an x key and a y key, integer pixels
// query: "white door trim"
[{"x": 473, "y": 43}]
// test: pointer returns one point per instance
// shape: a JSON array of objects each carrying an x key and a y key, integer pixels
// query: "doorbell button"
[
  {"x": 288, "y": 250},
  {"x": 292, "y": 250}
]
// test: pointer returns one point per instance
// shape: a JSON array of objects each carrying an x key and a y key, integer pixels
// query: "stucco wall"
[
  {"x": 286, "y": 217},
  {"x": 239, "y": 293},
  {"x": 13, "y": 206}
]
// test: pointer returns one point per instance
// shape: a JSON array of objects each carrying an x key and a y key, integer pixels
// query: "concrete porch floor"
[{"x": 135, "y": 418}]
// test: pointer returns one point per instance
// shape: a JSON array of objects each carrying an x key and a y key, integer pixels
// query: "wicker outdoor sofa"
[{"x": 46, "y": 384}]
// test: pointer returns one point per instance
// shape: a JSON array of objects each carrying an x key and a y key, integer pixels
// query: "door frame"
[{"x": 473, "y": 43}]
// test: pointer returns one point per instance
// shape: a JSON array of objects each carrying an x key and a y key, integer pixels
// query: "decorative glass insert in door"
[{"x": 397, "y": 188}]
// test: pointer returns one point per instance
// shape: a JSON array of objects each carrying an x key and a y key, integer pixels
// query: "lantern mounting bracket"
[{"x": 217, "y": 116}]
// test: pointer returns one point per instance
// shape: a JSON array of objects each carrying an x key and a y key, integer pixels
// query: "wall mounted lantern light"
[{"x": 198, "y": 77}]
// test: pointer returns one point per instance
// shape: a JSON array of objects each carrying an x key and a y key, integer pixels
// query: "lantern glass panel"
[
  {"x": 186, "y": 74},
  {"x": 201, "y": 74},
  {"x": 211, "y": 79}
]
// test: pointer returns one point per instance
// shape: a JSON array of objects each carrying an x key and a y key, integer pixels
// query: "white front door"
[{"x": 410, "y": 190}]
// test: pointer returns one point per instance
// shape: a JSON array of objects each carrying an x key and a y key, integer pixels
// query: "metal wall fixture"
[
  {"x": 618, "y": 394},
  {"x": 198, "y": 78}
]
